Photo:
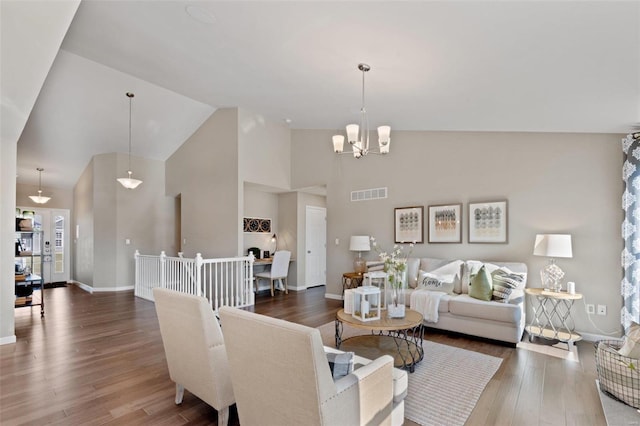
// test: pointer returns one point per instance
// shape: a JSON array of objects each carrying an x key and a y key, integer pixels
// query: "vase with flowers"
[{"x": 395, "y": 266}]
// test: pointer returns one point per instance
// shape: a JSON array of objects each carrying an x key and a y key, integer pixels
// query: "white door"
[
  {"x": 316, "y": 246},
  {"x": 55, "y": 226}
]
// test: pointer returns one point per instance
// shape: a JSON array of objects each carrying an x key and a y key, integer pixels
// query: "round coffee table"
[{"x": 399, "y": 337}]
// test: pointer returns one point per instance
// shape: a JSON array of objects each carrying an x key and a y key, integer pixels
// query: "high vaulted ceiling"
[{"x": 462, "y": 66}]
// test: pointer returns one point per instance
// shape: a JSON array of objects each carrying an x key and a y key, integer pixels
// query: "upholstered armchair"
[
  {"x": 195, "y": 349},
  {"x": 281, "y": 376}
]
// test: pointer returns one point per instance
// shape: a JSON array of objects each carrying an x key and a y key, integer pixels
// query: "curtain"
[{"x": 631, "y": 230}]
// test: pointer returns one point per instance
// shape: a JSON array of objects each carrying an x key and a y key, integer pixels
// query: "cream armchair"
[
  {"x": 195, "y": 349},
  {"x": 281, "y": 376}
]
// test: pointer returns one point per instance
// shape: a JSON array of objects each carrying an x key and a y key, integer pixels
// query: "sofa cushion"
[
  {"x": 465, "y": 305},
  {"x": 444, "y": 268},
  {"x": 504, "y": 282},
  {"x": 413, "y": 265},
  {"x": 481, "y": 285},
  {"x": 434, "y": 282},
  {"x": 341, "y": 364},
  {"x": 471, "y": 267}
]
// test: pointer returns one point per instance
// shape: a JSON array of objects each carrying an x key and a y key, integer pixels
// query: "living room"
[{"x": 559, "y": 169}]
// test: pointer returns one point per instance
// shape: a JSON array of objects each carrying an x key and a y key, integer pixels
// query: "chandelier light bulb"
[{"x": 338, "y": 143}]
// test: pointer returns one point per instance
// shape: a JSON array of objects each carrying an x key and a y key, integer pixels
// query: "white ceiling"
[{"x": 467, "y": 66}]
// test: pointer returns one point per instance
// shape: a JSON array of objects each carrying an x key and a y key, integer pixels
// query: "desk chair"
[
  {"x": 279, "y": 270},
  {"x": 195, "y": 349}
]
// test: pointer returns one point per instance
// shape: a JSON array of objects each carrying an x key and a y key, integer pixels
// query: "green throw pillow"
[{"x": 481, "y": 285}]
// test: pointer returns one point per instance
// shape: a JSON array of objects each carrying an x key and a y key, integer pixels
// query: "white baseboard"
[
  {"x": 106, "y": 289},
  {"x": 7, "y": 340},
  {"x": 333, "y": 296},
  {"x": 83, "y": 286},
  {"x": 590, "y": 337},
  {"x": 90, "y": 289}
]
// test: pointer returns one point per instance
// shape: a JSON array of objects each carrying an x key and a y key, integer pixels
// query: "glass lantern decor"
[
  {"x": 377, "y": 279},
  {"x": 366, "y": 303}
]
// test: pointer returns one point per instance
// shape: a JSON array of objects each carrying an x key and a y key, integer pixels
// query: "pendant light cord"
[{"x": 130, "y": 95}]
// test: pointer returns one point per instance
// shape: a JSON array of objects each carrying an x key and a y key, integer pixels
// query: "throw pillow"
[
  {"x": 435, "y": 282},
  {"x": 631, "y": 347},
  {"x": 504, "y": 282},
  {"x": 341, "y": 364},
  {"x": 481, "y": 285}
]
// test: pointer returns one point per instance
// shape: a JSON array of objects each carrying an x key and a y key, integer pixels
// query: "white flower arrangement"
[{"x": 395, "y": 262}]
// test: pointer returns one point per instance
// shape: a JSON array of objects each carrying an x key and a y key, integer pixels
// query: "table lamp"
[
  {"x": 359, "y": 243},
  {"x": 552, "y": 246}
]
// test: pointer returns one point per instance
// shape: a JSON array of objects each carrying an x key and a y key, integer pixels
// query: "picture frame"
[
  {"x": 488, "y": 222},
  {"x": 445, "y": 223},
  {"x": 409, "y": 224},
  {"x": 256, "y": 224}
]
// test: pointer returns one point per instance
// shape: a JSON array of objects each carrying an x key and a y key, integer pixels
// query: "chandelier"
[
  {"x": 129, "y": 182},
  {"x": 358, "y": 135},
  {"x": 39, "y": 199}
]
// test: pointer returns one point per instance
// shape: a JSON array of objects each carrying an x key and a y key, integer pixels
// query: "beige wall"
[
  {"x": 108, "y": 214},
  {"x": 204, "y": 171},
  {"x": 264, "y": 150},
  {"x": 260, "y": 204},
  {"x": 564, "y": 183},
  {"x": 8, "y": 157},
  {"x": 82, "y": 264}
]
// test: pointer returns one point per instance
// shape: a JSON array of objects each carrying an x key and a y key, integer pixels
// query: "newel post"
[
  {"x": 163, "y": 262},
  {"x": 199, "y": 263}
]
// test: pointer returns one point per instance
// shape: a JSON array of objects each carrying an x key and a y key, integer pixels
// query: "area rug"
[
  {"x": 445, "y": 374},
  {"x": 616, "y": 412}
]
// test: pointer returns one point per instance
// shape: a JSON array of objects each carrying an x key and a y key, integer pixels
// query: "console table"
[{"x": 552, "y": 315}]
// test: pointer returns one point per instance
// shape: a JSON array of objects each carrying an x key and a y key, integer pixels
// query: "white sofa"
[{"x": 461, "y": 313}]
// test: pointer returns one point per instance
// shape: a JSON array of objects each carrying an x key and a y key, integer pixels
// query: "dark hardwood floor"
[{"x": 98, "y": 359}]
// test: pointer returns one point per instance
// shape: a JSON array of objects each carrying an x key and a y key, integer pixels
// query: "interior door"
[{"x": 316, "y": 246}]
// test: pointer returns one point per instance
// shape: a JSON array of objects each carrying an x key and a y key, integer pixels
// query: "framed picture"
[
  {"x": 445, "y": 223},
  {"x": 488, "y": 222},
  {"x": 255, "y": 224},
  {"x": 409, "y": 225}
]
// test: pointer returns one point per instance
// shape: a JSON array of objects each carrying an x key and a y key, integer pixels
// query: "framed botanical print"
[
  {"x": 445, "y": 223},
  {"x": 409, "y": 225},
  {"x": 488, "y": 222}
]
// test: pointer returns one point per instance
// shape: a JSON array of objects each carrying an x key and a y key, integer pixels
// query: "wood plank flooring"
[{"x": 98, "y": 360}]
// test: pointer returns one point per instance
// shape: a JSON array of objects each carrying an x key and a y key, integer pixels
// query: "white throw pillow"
[
  {"x": 631, "y": 347},
  {"x": 435, "y": 282}
]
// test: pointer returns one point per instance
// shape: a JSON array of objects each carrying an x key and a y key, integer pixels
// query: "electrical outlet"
[
  {"x": 591, "y": 309},
  {"x": 602, "y": 309}
]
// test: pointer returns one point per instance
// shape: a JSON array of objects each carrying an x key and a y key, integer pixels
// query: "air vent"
[{"x": 369, "y": 194}]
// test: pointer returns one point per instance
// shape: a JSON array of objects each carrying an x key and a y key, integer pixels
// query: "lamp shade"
[
  {"x": 553, "y": 245},
  {"x": 338, "y": 143},
  {"x": 359, "y": 243}
]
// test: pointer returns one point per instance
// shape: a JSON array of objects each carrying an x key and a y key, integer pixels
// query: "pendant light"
[
  {"x": 129, "y": 182},
  {"x": 39, "y": 199}
]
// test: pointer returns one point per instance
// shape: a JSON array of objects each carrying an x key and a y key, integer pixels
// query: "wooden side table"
[
  {"x": 552, "y": 315},
  {"x": 351, "y": 280}
]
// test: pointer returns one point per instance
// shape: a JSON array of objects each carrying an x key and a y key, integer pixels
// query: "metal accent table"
[
  {"x": 351, "y": 280},
  {"x": 552, "y": 318},
  {"x": 399, "y": 337}
]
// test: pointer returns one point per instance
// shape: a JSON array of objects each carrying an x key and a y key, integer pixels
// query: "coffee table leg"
[{"x": 339, "y": 328}]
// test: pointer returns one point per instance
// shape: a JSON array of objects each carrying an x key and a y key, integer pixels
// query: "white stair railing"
[{"x": 223, "y": 282}]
